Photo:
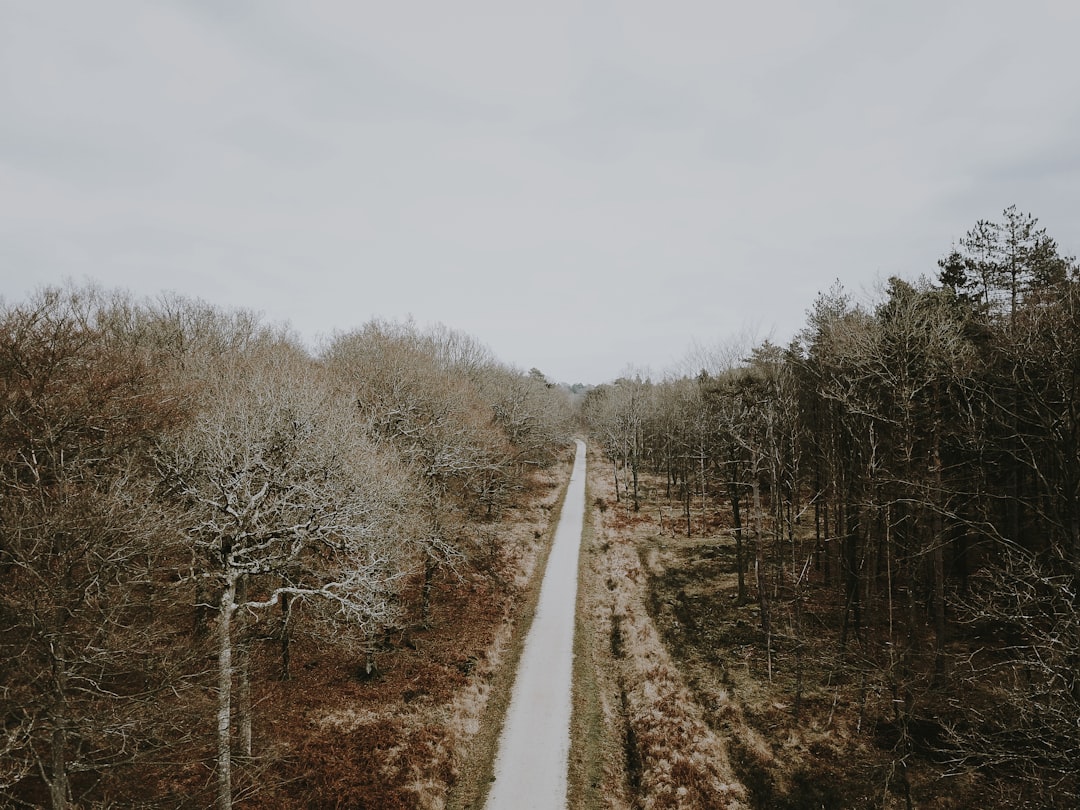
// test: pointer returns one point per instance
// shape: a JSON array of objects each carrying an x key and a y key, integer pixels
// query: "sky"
[{"x": 584, "y": 187}]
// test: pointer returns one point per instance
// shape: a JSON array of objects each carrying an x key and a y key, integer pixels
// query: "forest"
[
  {"x": 198, "y": 513},
  {"x": 900, "y": 486},
  {"x": 188, "y": 496}
]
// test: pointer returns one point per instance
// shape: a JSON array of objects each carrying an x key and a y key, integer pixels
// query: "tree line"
[
  {"x": 177, "y": 480},
  {"x": 906, "y": 474}
]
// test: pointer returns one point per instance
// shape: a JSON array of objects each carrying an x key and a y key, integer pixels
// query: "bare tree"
[
  {"x": 1018, "y": 700},
  {"x": 466, "y": 427},
  {"x": 534, "y": 414},
  {"x": 82, "y": 545},
  {"x": 282, "y": 497},
  {"x": 616, "y": 415}
]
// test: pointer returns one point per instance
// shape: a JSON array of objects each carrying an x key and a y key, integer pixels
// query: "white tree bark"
[
  {"x": 224, "y": 715},
  {"x": 281, "y": 485}
]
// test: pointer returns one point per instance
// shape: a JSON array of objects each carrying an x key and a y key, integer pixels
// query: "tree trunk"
[
  {"x": 736, "y": 519},
  {"x": 686, "y": 503},
  {"x": 777, "y": 503},
  {"x": 938, "y": 563},
  {"x": 225, "y": 674},
  {"x": 852, "y": 610},
  {"x": 817, "y": 523},
  {"x": 937, "y": 558},
  {"x": 286, "y": 635},
  {"x": 430, "y": 566},
  {"x": 59, "y": 790},
  {"x": 1074, "y": 541},
  {"x": 243, "y": 671},
  {"x": 701, "y": 470},
  {"x": 759, "y": 563},
  {"x": 59, "y": 784},
  {"x": 826, "y": 544},
  {"x": 759, "y": 571}
]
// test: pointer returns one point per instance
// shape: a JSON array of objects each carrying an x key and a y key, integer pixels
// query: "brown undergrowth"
[
  {"x": 799, "y": 724},
  {"x": 401, "y": 739},
  {"x": 670, "y": 757}
]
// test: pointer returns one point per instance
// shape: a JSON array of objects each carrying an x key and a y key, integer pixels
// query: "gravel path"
[{"x": 530, "y": 771}]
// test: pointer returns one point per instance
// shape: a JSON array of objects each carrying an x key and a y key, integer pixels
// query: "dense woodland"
[
  {"x": 180, "y": 483},
  {"x": 903, "y": 485}
]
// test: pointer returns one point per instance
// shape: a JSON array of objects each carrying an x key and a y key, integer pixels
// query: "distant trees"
[
  {"x": 465, "y": 427},
  {"x": 998, "y": 264},
  {"x": 425, "y": 408},
  {"x": 616, "y": 415},
  {"x": 1032, "y": 401}
]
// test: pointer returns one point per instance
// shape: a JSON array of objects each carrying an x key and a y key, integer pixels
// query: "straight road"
[{"x": 530, "y": 771}]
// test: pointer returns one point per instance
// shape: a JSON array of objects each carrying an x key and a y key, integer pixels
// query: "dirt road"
[{"x": 530, "y": 771}]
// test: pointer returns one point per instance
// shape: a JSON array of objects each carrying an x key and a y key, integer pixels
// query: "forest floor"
[
  {"x": 640, "y": 737},
  {"x": 684, "y": 704}
]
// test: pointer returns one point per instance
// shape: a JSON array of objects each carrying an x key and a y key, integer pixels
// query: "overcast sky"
[{"x": 582, "y": 186}]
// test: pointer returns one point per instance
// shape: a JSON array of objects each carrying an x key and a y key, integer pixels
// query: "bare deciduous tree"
[
  {"x": 82, "y": 545},
  {"x": 283, "y": 497},
  {"x": 1019, "y": 695}
]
